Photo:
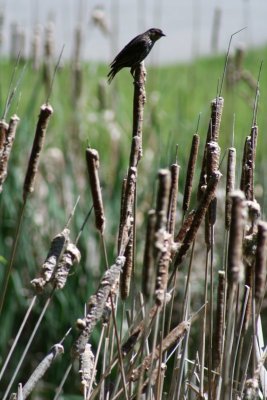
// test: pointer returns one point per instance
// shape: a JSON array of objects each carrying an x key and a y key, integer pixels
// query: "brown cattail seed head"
[
  {"x": 148, "y": 263},
  {"x": 92, "y": 159},
  {"x": 163, "y": 198},
  {"x": 215, "y": 121},
  {"x": 230, "y": 184},
  {"x": 261, "y": 259},
  {"x": 7, "y": 138},
  {"x": 173, "y": 198},
  {"x": 236, "y": 237},
  {"x": 43, "y": 120},
  {"x": 190, "y": 172}
]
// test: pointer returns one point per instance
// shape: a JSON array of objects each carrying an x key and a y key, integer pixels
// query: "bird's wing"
[{"x": 129, "y": 55}]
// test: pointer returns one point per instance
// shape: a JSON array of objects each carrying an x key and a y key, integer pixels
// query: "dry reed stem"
[
  {"x": 41, "y": 369},
  {"x": 212, "y": 135},
  {"x": 139, "y": 102},
  {"x": 260, "y": 262},
  {"x": 92, "y": 161},
  {"x": 234, "y": 271},
  {"x": 123, "y": 191},
  {"x": 177, "y": 333},
  {"x": 45, "y": 113},
  {"x": 190, "y": 172},
  {"x": 230, "y": 184},
  {"x": 70, "y": 256},
  {"x": 137, "y": 332},
  {"x": 173, "y": 198},
  {"x": 98, "y": 301},
  {"x": 57, "y": 247},
  {"x": 148, "y": 281},
  {"x": 7, "y": 138},
  {"x": 198, "y": 217},
  {"x": 219, "y": 327}
]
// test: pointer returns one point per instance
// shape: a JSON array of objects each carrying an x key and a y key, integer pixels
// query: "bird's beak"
[{"x": 163, "y": 34}]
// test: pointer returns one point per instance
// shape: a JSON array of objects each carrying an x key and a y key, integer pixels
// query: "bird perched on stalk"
[{"x": 134, "y": 52}]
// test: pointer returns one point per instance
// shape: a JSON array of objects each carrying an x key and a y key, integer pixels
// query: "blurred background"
[{"x": 193, "y": 28}]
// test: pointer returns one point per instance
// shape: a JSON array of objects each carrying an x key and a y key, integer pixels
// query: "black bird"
[{"x": 134, "y": 52}]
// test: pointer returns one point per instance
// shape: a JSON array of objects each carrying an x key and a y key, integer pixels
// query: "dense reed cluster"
[{"x": 146, "y": 338}]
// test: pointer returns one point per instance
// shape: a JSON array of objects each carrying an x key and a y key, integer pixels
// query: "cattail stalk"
[
  {"x": 42, "y": 124},
  {"x": 219, "y": 328},
  {"x": 92, "y": 160},
  {"x": 190, "y": 172}
]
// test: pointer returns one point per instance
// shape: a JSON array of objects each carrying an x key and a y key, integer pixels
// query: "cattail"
[
  {"x": 162, "y": 198},
  {"x": 260, "y": 263},
  {"x": 163, "y": 268},
  {"x": 190, "y": 172},
  {"x": 219, "y": 327},
  {"x": 7, "y": 138},
  {"x": 57, "y": 247},
  {"x": 70, "y": 256},
  {"x": 149, "y": 262},
  {"x": 92, "y": 160},
  {"x": 230, "y": 184},
  {"x": 216, "y": 116},
  {"x": 127, "y": 271},
  {"x": 108, "y": 283},
  {"x": 213, "y": 158},
  {"x": 41, "y": 369},
  {"x": 42, "y": 124},
  {"x": 236, "y": 237},
  {"x": 128, "y": 204},
  {"x": 198, "y": 217},
  {"x": 3, "y": 133},
  {"x": 173, "y": 198},
  {"x": 212, "y": 135},
  {"x": 179, "y": 238},
  {"x": 86, "y": 367}
]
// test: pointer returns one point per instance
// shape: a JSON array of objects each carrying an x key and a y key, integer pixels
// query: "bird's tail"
[{"x": 111, "y": 75}]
